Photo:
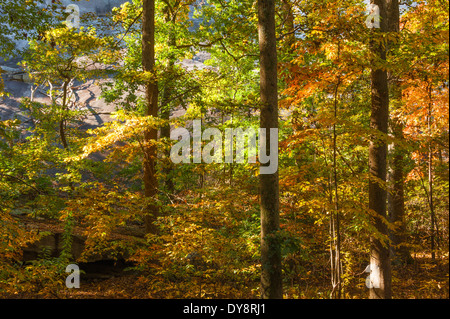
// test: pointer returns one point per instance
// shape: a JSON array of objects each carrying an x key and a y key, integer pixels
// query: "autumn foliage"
[{"x": 58, "y": 177}]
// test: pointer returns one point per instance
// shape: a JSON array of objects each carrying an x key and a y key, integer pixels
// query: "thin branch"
[
  {"x": 346, "y": 163},
  {"x": 22, "y": 181},
  {"x": 236, "y": 59},
  {"x": 180, "y": 95},
  {"x": 299, "y": 27},
  {"x": 169, "y": 6},
  {"x": 129, "y": 27},
  {"x": 202, "y": 45}
]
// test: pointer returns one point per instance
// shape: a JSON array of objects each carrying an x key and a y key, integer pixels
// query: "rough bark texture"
[
  {"x": 62, "y": 121},
  {"x": 150, "y": 135},
  {"x": 396, "y": 199},
  {"x": 335, "y": 233},
  {"x": 430, "y": 176},
  {"x": 271, "y": 281},
  {"x": 379, "y": 255}
]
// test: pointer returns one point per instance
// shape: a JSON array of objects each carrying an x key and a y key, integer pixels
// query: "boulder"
[{"x": 53, "y": 244}]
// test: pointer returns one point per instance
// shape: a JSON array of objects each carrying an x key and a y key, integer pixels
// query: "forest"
[{"x": 224, "y": 149}]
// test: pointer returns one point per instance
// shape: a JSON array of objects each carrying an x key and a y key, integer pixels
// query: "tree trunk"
[
  {"x": 151, "y": 95},
  {"x": 166, "y": 108},
  {"x": 165, "y": 134},
  {"x": 379, "y": 250},
  {"x": 271, "y": 281},
  {"x": 288, "y": 17},
  {"x": 396, "y": 199},
  {"x": 430, "y": 194},
  {"x": 62, "y": 131},
  {"x": 335, "y": 244},
  {"x": 430, "y": 176}
]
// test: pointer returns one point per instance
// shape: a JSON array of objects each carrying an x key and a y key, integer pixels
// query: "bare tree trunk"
[
  {"x": 379, "y": 250},
  {"x": 62, "y": 120},
  {"x": 430, "y": 176},
  {"x": 168, "y": 166},
  {"x": 166, "y": 109},
  {"x": 288, "y": 17},
  {"x": 62, "y": 133},
  {"x": 335, "y": 248},
  {"x": 151, "y": 94},
  {"x": 396, "y": 199},
  {"x": 430, "y": 194},
  {"x": 271, "y": 280}
]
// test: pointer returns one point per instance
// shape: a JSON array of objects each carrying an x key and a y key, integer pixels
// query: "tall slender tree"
[
  {"x": 271, "y": 280},
  {"x": 430, "y": 173},
  {"x": 379, "y": 251},
  {"x": 396, "y": 178},
  {"x": 151, "y": 95},
  {"x": 335, "y": 242},
  {"x": 169, "y": 19}
]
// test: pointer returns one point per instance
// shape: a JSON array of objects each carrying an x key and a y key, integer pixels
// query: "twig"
[
  {"x": 129, "y": 27},
  {"x": 22, "y": 181}
]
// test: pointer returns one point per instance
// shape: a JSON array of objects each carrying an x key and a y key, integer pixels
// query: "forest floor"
[{"x": 424, "y": 279}]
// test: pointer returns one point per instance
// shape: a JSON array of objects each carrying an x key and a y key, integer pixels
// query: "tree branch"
[
  {"x": 129, "y": 27},
  {"x": 22, "y": 181}
]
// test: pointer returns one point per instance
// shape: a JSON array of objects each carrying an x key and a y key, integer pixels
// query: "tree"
[
  {"x": 151, "y": 96},
  {"x": 396, "y": 178},
  {"x": 25, "y": 19},
  {"x": 308, "y": 226},
  {"x": 21, "y": 20},
  {"x": 271, "y": 281},
  {"x": 177, "y": 85},
  {"x": 425, "y": 107},
  {"x": 379, "y": 251},
  {"x": 57, "y": 61},
  {"x": 169, "y": 19}
]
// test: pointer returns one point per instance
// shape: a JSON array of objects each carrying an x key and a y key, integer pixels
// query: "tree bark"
[
  {"x": 335, "y": 243},
  {"x": 430, "y": 174},
  {"x": 166, "y": 107},
  {"x": 379, "y": 250},
  {"x": 396, "y": 199},
  {"x": 151, "y": 95},
  {"x": 271, "y": 280},
  {"x": 62, "y": 121},
  {"x": 289, "y": 28}
]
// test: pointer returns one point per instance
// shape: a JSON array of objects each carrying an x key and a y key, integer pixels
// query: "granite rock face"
[
  {"x": 100, "y": 7},
  {"x": 53, "y": 243},
  {"x": 18, "y": 85}
]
